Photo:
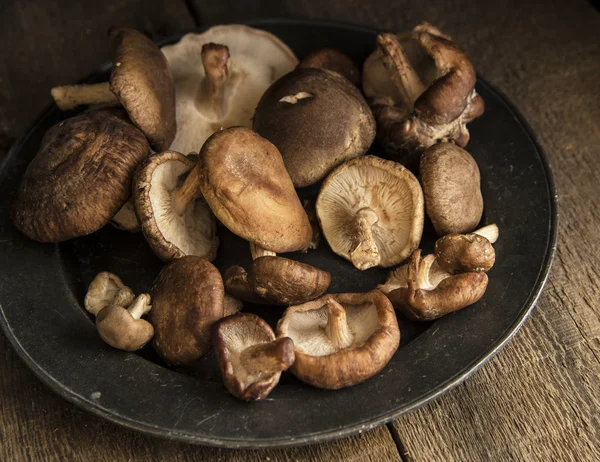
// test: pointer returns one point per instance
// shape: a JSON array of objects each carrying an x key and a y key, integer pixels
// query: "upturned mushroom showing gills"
[
  {"x": 451, "y": 186},
  {"x": 251, "y": 359},
  {"x": 341, "y": 340},
  {"x": 371, "y": 212},
  {"x": 140, "y": 80},
  {"x": 462, "y": 253},
  {"x": 333, "y": 60},
  {"x": 422, "y": 291},
  {"x": 219, "y": 77},
  {"x": 175, "y": 219},
  {"x": 276, "y": 281},
  {"x": 244, "y": 181},
  {"x": 187, "y": 299},
  {"x": 421, "y": 88},
  {"x": 80, "y": 177},
  {"x": 107, "y": 289},
  {"x": 317, "y": 119}
]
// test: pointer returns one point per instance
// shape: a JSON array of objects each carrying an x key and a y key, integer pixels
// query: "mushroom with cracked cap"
[{"x": 122, "y": 327}]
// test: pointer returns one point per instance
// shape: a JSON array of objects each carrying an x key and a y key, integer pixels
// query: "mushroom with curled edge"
[
  {"x": 80, "y": 177},
  {"x": 175, "y": 219},
  {"x": 317, "y": 119},
  {"x": 341, "y": 340},
  {"x": 371, "y": 212},
  {"x": 277, "y": 281},
  {"x": 140, "y": 80},
  {"x": 333, "y": 60},
  {"x": 423, "y": 291},
  {"x": 451, "y": 186},
  {"x": 421, "y": 88},
  {"x": 251, "y": 359},
  {"x": 107, "y": 289},
  {"x": 187, "y": 299},
  {"x": 220, "y": 75},
  {"x": 463, "y": 253},
  {"x": 122, "y": 327}
]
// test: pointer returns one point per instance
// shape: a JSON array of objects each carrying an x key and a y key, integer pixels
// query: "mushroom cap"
[
  {"x": 142, "y": 81},
  {"x": 80, "y": 177},
  {"x": 317, "y": 119},
  {"x": 171, "y": 235},
  {"x": 462, "y": 253},
  {"x": 333, "y": 60},
  {"x": 451, "y": 185},
  {"x": 107, "y": 289},
  {"x": 258, "y": 58},
  {"x": 243, "y": 179},
  {"x": 234, "y": 335},
  {"x": 376, "y": 337},
  {"x": 237, "y": 285},
  {"x": 187, "y": 299},
  {"x": 126, "y": 219},
  {"x": 385, "y": 187},
  {"x": 120, "y": 330}
]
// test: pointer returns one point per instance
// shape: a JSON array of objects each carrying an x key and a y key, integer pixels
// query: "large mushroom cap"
[
  {"x": 371, "y": 212},
  {"x": 250, "y": 358},
  {"x": 142, "y": 81},
  {"x": 317, "y": 119},
  {"x": 80, "y": 177},
  {"x": 243, "y": 179},
  {"x": 187, "y": 299},
  {"x": 220, "y": 85},
  {"x": 170, "y": 234},
  {"x": 341, "y": 340}
]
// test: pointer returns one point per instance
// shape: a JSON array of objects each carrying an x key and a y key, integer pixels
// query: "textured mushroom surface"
[
  {"x": 107, "y": 289},
  {"x": 342, "y": 339},
  {"x": 371, "y": 212},
  {"x": 462, "y": 253},
  {"x": 122, "y": 327},
  {"x": 220, "y": 86},
  {"x": 80, "y": 177},
  {"x": 333, "y": 60},
  {"x": 317, "y": 119}
]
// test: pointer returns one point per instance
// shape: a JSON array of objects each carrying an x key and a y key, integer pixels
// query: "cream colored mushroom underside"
[
  {"x": 429, "y": 276},
  {"x": 359, "y": 187},
  {"x": 257, "y": 60},
  {"x": 194, "y": 231},
  {"x": 237, "y": 337},
  {"x": 307, "y": 328},
  {"x": 125, "y": 218}
]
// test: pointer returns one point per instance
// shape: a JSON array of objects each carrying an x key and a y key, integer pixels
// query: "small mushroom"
[
  {"x": 80, "y": 177},
  {"x": 277, "y": 281},
  {"x": 220, "y": 75},
  {"x": 333, "y": 60},
  {"x": 371, "y": 212},
  {"x": 126, "y": 219},
  {"x": 122, "y": 328},
  {"x": 250, "y": 358},
  {"x": 420, "y": 86},
  {"x": 187, "y": 300},
  {"x": 140, "y": 80},
  {"x": 451, "y": 185},
  {"x": 462, "y": 253},
  {"x": 244, "y": 181},
  {"x": 107, "y": 289},
  {"x": 175, "y": 219},
  {"x": 317, "y": 119},
  {"x": 423, "y": 291},
  {"x": 341, "y": 340}
]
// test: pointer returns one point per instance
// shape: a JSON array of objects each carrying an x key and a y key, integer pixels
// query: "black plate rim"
[{"x": 371, "y": 422}]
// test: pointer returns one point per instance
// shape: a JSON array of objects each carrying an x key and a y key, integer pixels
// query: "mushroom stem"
[
  {"x": 185, "y": 194},
  {"x": 69, "y": 97},
  {"x": 140, "y": 306},
  {"x": 337, "y": 329},
  {"x": 364, "y": 252},
  {"x": 256, "y": 251},
  {"x": 490, "y": 232},
  {"x": 211, "y": 100},
  {"x": 400, "y": 70},
  {"x": 268, "y": 358}
]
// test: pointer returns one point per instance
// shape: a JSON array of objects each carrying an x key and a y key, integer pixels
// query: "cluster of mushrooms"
[{"x": 222, "y": 127}]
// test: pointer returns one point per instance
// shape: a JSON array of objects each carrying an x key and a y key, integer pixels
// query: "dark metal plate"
[{"x": 42, "y": 289}]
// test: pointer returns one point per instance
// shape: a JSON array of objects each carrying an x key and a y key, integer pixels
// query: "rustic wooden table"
[{"x": 538, "y": 399}]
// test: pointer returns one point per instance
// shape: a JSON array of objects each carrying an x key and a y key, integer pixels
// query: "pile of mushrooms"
[{"x": 221, "y": 128}]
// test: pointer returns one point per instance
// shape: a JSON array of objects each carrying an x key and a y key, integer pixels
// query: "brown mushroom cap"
[
  {"x": 317, "y": 119},
  {"x": 250, "y": 358},
  {"x": 243, "y": 179},
  {"x": 170, "y": 234},
  {"x": 451, "y": 185},
  {"x": 107, "y": 289},
  {"x": 341, "y": 340},
  {"x": 371, "y": 212},
  {"x": 80, "y": 177},
  {"x": 462, "y": 253},
  {"x": 187, "y": 300},
  {"x": 333, "y": 60},
  {"x": 122, "y": 328}
]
